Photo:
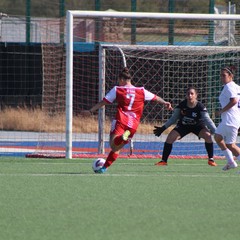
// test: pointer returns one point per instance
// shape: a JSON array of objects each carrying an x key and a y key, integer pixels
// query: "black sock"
[
  {"x": 166, "y": 151},
  {"x": 209, "y": 148}
]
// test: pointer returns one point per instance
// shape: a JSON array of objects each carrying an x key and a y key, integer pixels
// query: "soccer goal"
[{"x": 164, "y": 52}]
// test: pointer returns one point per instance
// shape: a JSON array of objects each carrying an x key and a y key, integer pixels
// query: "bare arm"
[
  {"x": 98, "y": 105},
  {"x": 166, "y": 104},
  {"x": 231, "y": 103},
  {"x": 94, "y": 108}
]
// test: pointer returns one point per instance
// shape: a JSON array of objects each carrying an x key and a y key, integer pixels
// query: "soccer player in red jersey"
[{"x": 130, "y": 106}]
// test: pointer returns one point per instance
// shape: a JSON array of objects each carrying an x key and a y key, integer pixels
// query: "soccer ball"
[{"x": 98, "y": 164}]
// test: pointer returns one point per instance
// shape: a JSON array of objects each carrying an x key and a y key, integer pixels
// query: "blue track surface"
[{"x": 179, "y": 148}]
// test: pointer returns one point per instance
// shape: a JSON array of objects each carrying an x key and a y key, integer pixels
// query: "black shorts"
[{"x": 185, "y": 130}]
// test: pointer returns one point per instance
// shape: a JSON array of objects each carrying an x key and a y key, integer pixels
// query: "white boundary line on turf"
[
  {"x": 112, "y": 175},
  {"x": 132, "y": 163}
]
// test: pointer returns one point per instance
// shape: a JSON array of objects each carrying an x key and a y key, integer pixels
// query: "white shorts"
[{"x": 229, "y": 133}]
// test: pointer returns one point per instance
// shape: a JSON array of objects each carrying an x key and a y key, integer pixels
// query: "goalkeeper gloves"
[{"x": 159, "y": 130}]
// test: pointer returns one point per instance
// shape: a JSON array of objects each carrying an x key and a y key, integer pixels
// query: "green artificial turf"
[{"x": 64, "y": 200}]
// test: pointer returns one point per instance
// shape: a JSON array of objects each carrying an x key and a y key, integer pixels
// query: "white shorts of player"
[{"x": 229, "y": 133}]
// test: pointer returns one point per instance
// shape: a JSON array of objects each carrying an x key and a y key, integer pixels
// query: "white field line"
[
  {"x": 115, "y": 175},
  {"x": 131, "y": 164}
]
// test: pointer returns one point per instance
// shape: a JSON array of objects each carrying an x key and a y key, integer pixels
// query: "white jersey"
[{"x": 231, "y": 117}]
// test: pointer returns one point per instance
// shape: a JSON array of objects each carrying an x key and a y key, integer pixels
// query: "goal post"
[
  {"x": 101, "y": 114},
  {"x": 177, "y": 66},
  {"x": 69, "y": 84}
]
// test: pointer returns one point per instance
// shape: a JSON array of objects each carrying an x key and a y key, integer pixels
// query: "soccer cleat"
[
  {"x": 161, "y": 163},
  {"x": 126, "y": 135},
  {"x": 229, "y": 166},
  {"x": 211, "y": 162},
  {"x": 102, "y": 170}
]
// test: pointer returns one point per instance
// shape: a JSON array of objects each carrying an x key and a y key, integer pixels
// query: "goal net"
[
  {"x": 168, "y": 71},
  {"x": 164, "y": 52}
]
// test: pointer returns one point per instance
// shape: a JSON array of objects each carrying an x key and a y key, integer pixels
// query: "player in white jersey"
[{"x": 227, "y": 131}]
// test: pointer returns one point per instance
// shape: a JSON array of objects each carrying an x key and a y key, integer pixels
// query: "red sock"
[
  {"x": 118, "y": 140},
  {"x": 112, "y": 156}
]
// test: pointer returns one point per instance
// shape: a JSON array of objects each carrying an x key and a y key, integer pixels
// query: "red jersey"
[{"x": 130, "y": 101}]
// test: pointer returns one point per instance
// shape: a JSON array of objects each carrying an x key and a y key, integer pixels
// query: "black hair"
[
  {"x": 124, "y": 74},
  {"x": 192, "y": 87}
]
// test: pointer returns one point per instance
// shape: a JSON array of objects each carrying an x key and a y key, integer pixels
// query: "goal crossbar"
[{"x": 141, "y": 15}]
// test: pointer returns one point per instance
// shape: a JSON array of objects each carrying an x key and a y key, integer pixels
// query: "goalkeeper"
[{"x": 190, "y": 116}]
